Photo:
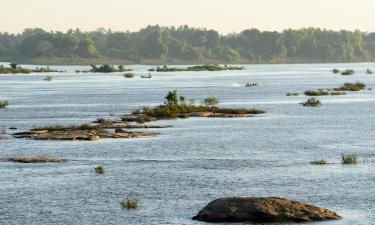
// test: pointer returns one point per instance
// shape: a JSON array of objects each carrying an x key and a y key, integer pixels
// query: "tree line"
[{"x": 189, "y": 44}]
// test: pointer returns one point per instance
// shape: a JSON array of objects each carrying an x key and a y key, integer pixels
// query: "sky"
[{"x": 225, "y": 16}]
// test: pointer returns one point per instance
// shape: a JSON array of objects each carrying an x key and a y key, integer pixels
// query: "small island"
[
  {"x": 14, "y": 69},
  {"x": 208, "y": 67},
  {"x": 176, "y": 107}
]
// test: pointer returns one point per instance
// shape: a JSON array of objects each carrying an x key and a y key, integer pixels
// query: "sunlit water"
[{"x": 179, "y": 171}]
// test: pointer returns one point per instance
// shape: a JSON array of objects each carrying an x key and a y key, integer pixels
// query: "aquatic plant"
[
  {"x": 4, "y": 104},
  {"x": 312, "y": 102},
  {"x": 349, "y": 158},
  {"x": 100, "y": 169},
  {"x": 348, "y": 72},
  {"x": 129, "y": 203},
  {"x": 319, "y": 162},
  {"x": 208, "y": 67}
]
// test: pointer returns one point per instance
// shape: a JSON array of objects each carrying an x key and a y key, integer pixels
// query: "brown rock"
[{"x": 262, "y": 210}]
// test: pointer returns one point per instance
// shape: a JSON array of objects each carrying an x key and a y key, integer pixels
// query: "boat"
[
  {"x": 147, "y": 76},
  {"x": 254, "y": 85}
]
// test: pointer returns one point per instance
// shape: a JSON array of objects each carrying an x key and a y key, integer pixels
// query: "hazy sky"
[{"x": 223, "y": 15}]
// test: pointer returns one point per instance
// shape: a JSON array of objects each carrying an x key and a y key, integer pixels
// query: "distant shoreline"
[{"x": 100, "y": 61}]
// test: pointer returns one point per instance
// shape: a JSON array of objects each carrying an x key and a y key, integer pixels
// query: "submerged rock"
[{"x": 262, "y": 210}]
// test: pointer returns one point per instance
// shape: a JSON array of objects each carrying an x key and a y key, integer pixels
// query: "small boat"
[
  {"x": 147, "y": 76},
  {"x": 254, "y": 85}
]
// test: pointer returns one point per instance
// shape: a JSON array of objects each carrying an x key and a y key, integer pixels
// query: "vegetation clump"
[
  {"x": 106, "y": 68},
  {"x": 4, "y": 104},
  {"x": 349, "y": 158},
  {"x": 319, "y": 92},
  {"x": 100, "y": 169},
  {"x": 348, "y": 72},
  {"x": 312, "y": 102},
  {"x": 36, "y": 159},
  {"x": 319, "y": 162},
  {"x": 292, "y": 94},
  {"x": 176, "y": 107},
  {"x": 129, "y": 203},
  {"x": 208, "y": 67},
  {"x": 368, "y": 71},
  {"x": 351, "y": 87},
  {"x": 129, "y": 75}
]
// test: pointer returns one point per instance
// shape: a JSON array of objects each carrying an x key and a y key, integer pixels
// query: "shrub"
[
  {"x": 129, "y": 75},
  {"x": 335, "y": 71},
  {"x": 211, "y": 101},
  {"x": 100, "y": 169},
  {"x": 292, "y": 94},
  {"x": 129, "y": 203},
  {"x": 4, "y": 104},
  {"x": 347, "y": 72},
  {"x": 349, "y": 158},
  {"x": 312, "y": 102},
  {"x": 319, "y": 162}
]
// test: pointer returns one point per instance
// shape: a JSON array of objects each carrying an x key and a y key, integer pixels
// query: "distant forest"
[{"x": 185, "y": 44}]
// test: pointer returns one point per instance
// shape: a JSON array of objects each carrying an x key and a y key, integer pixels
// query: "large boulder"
[{"x": 262, "y": 210}]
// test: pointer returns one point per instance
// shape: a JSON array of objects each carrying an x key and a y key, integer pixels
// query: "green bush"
[{"x": 211, "y": 101}]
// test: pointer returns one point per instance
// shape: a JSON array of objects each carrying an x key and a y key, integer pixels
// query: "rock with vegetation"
[
  {"x": 263, "y": 210},
  {"x": 85, "y": 132},
  {"x": 36, "y": 159},
  {"x": 311, "y": 102}
]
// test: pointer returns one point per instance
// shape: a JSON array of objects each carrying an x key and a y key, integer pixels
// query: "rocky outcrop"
[
  {"x": 262, "y": 210},
  {"x": 36, "y": 159},
  {"x": 87, "y": 135}
]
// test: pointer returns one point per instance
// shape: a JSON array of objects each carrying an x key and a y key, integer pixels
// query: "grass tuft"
[
  {"x": 349, "y": 158},
  {"x": 129, "y": 203}
]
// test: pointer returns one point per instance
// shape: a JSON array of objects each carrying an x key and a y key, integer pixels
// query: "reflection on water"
[{"x": 177, "y": 172}]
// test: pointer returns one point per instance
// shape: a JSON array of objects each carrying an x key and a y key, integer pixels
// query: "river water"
[{"x": 179, "y": 171}]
